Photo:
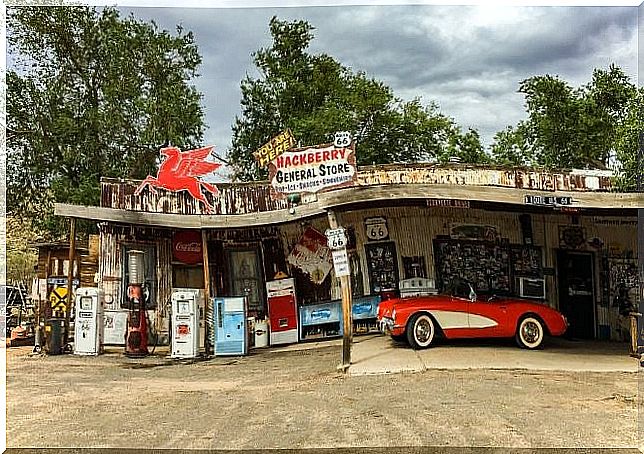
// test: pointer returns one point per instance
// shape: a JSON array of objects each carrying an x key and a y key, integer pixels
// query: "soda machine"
[
  {"x": 186, "y": 332},
  {"x": 136, "y": 337},
  {"x": 88, "y": 325},
  {"x": 231, "y": 329},
  {"x": 282, "y": 311}
]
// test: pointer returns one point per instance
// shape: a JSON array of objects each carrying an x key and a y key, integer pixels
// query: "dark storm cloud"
[{"x": 468, "y": 59}]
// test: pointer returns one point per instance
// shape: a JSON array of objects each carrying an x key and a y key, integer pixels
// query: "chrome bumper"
[{"x": 385, "y": 325}]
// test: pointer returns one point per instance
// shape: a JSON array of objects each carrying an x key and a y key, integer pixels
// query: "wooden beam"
[
  {"x": 341, "y": 197},
  {"x": 345, "y": 289},
  {"x": 70, "y": 274},
  {"x": 208, "y": 308}
]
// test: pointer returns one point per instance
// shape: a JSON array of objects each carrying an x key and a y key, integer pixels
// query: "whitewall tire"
[
  {"x": 530, "y": 333},
  {"x": 420, "y": 331}
]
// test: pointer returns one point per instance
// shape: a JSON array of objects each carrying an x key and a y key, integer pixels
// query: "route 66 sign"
[
  {"x": 336, "y": 238},
  {"x": 342, "y": 139},
  {"x": 376, "y": 228}
]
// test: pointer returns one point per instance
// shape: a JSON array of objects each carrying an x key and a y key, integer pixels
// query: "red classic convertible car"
[{"x": 461, "y": 313}]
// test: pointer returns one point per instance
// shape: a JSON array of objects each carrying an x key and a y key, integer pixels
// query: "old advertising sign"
[
  {"x": 186, "y": 247},
  {"x": 341, "y": 263},
  {"x": 376, "y": 228},
  {"x": 312, "y": 169},
  {"x": 182, "y": 171},
  {"x": 275, "y": 147},
  {"x": 312, "y": 255}
]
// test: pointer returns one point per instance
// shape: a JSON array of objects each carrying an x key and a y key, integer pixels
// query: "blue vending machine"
[{"x": 231, "y": 329}]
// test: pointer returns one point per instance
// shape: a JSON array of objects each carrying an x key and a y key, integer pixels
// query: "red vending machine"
[{"x": 282, "y": 311}]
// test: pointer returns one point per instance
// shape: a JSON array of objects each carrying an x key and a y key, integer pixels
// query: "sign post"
[
  {"x": 337, "y": 241},
  {"x": 640, "y": 254}
]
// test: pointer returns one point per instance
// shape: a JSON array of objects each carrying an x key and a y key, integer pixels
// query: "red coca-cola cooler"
[{"x": 282, "y": 311}]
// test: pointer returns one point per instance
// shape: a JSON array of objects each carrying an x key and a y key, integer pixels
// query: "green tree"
[
  {"x": 92, "y": 94},
  {"x": 569, "y": 127},
  {"x": 315, "y": 96}
]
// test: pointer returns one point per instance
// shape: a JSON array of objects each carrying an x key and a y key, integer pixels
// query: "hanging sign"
[
  {"x": 181, "y": 171},
  {"x": 341, "y": 263},
  {"x": 312, "y": 169},
  {"x": 186, "y": 247},
  {"x": 274, "y": 147},
  {"x": 336, "y": 238},
  {"x": 312, "y": 255}
]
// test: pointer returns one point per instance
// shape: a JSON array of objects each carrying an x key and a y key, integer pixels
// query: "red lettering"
[
  {"x": 327, "y": 155},
  {"x": 318, "y": 156},
  {"x": 280, "y": 162},
  {"x": 334, "y": 153}
]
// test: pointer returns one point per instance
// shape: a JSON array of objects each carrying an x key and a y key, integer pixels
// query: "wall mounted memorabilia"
[
  {"x": 527, "y": 261},
  {"x": 382, "y": 263},
  {"x": 312, "y": 255},
  {"x": 186, "y": 247},
  {"x": 414, "y": 267},
  {"x": 526, "y": 228},
  {"x": 181, "y": 171},
  {"x": 376, "y": 228},
  {"x": 571, "y": 237},
  {"x": 474, "y": 232},
  {"x": 486, "y": 265}
]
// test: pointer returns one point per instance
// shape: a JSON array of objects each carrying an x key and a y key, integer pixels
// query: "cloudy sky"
[{"x": 469, "y": 60}]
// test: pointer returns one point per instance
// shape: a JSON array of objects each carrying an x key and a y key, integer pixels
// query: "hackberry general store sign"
[{"x": 313, "y": 169}]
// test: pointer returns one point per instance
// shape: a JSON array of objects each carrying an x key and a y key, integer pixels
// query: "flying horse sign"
[{"x": 180, "y": 171}]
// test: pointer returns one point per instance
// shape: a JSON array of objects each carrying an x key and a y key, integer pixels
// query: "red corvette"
[{"x": 460, "y": 313}]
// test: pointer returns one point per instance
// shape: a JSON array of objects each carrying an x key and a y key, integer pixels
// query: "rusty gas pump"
[{"x": 136, "y": 334}]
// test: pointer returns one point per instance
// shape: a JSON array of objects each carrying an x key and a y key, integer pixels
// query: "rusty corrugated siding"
[{"x": 243, "y": 198}]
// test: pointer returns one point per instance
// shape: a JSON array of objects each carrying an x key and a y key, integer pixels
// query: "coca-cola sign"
[{"x": 186, "y": 247}]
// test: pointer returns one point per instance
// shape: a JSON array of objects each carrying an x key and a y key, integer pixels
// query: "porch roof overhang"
[{"x": 386, "y": 193}]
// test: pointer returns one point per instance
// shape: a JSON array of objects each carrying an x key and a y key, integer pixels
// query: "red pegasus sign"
[{"x": 180, "y": 171}]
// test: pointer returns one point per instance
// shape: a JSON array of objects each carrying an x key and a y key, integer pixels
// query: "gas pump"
[
  {"x": 88, "y": 327},
  {"x": 136, "y": 337}
]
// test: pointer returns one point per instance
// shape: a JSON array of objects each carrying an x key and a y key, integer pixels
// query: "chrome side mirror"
[{"x": 472, "y": 294}]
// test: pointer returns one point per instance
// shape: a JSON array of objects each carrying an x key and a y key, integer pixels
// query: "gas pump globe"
[{"x": 136, "y": 337}]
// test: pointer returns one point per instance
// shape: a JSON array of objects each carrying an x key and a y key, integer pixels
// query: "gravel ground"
[{"x": 298, "y": 400}]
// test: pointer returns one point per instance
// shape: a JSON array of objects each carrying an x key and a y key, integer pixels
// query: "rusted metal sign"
[
  {"x": 312, "y": 255},
  {"x": 312, "y": 169},
  {"x": 274, "y": 147}
]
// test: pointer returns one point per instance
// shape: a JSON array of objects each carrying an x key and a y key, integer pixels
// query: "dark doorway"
[{"x": 576, "y": 290}]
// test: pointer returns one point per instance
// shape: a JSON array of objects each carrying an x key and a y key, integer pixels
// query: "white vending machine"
[
  {"x": 88, "y": 324},
  {"x": 186, "y": 305}
]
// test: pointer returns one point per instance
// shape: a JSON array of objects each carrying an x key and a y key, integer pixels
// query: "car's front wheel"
[
  {"x": 530, "y": 333},
  {"x": 420, "y": 331}
]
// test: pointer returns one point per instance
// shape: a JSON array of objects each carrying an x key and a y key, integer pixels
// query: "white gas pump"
[
  {"x": 186, "y": 303},
  {"x": 88, "y": 324}
]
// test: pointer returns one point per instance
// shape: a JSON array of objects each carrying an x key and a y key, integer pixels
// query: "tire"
[
  {"x": 530, "y": 333},
  {"x": 420, "y": 331}
]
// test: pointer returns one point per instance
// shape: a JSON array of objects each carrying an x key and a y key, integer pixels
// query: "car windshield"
[{"x": 459, "y": 289}]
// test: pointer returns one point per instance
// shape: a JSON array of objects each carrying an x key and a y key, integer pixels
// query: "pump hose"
[{"x": 156, "y": 333}]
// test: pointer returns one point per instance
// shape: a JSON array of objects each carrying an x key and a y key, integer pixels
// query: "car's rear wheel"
[
  {"x": 420, "y": 331},
  {"x": 530, "y": 333}
]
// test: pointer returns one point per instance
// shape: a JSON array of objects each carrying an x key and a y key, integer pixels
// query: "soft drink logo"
[{"x": 187, "y": 247}]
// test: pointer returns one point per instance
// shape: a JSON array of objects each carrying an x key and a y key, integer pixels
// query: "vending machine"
[
  {"x": 231, "y": 329},
  {"x": 186, "y": 305},
  {"x": 282, "y": 311},
  {"x": 88, "y": 325}
]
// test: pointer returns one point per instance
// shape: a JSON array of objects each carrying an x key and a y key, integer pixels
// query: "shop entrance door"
[
  {"x": 576, "y": 290},
  {"x": 246, "y": 278}
]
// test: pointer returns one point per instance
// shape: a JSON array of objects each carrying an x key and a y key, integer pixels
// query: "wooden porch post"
[
  {"x": 70, "y": 274},
  {"x": 345, "y": 288},
  {"x": 208, "y": 303}
]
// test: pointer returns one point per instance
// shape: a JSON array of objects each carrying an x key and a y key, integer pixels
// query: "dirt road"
[{"x": 298, "y": 400}]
